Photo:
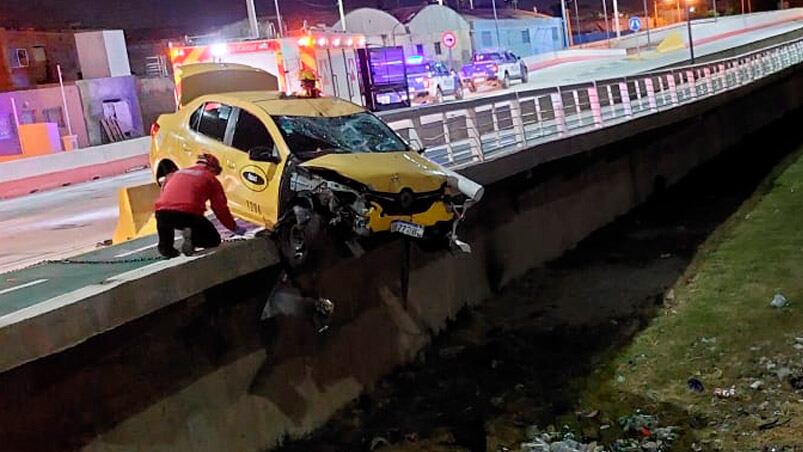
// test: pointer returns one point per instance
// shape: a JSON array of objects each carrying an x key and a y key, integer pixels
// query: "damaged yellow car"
[{"x": 304, "y": 166}]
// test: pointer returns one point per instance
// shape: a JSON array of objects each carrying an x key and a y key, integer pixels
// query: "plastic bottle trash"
[
  {"x": 779, "y": 301},
  {"x": 725, "y": 393}
]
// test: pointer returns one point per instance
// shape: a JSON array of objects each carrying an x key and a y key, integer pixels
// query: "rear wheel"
[
  {"x": 525, "y": 76},
  {"x": 506, "y": 81},
  {"x": 458, "y": 92},
  {"x": 438, "y": 96},
  {"x": 472, "y": 87}
]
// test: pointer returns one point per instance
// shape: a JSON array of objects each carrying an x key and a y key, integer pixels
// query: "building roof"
[{"x": 502, "y": 13}]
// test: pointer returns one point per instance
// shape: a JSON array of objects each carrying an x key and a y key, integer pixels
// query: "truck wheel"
[
  {"x": 506, "y": 81},
  {"x": 458, "y": 92},
  {"x": 525, "y": 76}
]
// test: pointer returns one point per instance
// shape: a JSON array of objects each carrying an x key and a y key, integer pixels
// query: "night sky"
[{"x": 186, "y": 15}]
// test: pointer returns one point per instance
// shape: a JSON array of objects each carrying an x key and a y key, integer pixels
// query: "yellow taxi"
[{"x": 299, "y": 166}]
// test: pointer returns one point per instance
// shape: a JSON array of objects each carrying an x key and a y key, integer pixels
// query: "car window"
[
  {"x": 196, "y": 115},
  {"x": 250, "y": 133},
  {"x": 312, "y": 136},
  {"x": 214, "y": 120}
]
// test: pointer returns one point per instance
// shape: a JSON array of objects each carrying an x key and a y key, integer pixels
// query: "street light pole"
[
  {"x": 342, "y": 14},
  {"x": 605, "y": 13},
  {"x": 576, "y": 19},
  {"x": 252, "y": 18},
  {"x": 647, "y": 18},
  {"x": 616, "y": 19},
  {"x": 689, "y": 10},
  {"x": 565, "y": 22},
  {"x": 496, "y": 24},
  {"x": 278, "y": 17}
]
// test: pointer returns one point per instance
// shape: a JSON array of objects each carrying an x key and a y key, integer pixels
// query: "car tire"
[
  {"x": 166, "y": 168},
  {"x": 472, "y": 88},
  {"x": 458, "y": 92},
  {"x": 438, "y": 96},
  {"x": 525, "y": 75},
  {"x": 298, "y": 242},
  {"x": 506, "y": 81}
]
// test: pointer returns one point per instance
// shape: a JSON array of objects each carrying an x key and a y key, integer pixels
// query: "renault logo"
[{"x": 406, "y": 198}]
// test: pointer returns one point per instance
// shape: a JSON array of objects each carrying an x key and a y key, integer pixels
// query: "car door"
[
  {"x": 258, "y": 181},
  {"x": 513, "y": 65},
  {"x": 214, "y": 132}
]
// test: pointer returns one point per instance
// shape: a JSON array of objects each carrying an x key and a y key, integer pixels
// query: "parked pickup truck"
[
  {"x": 493, "y": 68},
  {"x": 430, "y": 81}
]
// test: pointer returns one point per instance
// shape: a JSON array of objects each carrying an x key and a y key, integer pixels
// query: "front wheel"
[
  {"x": 525, "y": 76},
  {"x": 298, "y": 238}
]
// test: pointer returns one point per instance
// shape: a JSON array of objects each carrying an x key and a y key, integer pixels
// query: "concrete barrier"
[
  {"x": 548, "y": 59},
  {"x": 24, "y": 176},
  {"x": 204, "y": 374}
]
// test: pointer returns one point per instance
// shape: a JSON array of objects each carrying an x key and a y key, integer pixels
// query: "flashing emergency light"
[
  {"x": 177, "y": 53},
  {"x": 415, "y": 59},
  {"x": 361, "y": 42},
  {"x": 306, "y": 41},
  {"x": 350, "y": 42},
  {"x": 220, "y": 49},
  {"x": 322, "y": 42},
  {"x": 336, "y": 42}
]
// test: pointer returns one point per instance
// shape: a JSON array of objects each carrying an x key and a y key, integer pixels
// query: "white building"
[{"x": 420, "y": 30}]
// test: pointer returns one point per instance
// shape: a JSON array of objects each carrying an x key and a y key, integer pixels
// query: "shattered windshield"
[{"x": 309, "y": 137}]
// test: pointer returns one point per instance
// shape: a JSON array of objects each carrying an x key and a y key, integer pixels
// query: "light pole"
[
  {"x": 689, "y": 10},
  {"x": 496, "y": 24},
  {"x": 565, "y": 23},
  {"x": 605, "y": 13},
  {"x": 278, "y": 16},
  {"x": 576, "y": 18},
  {"x": 252, "y": 18},
  {"x": 616, "y": 19},
  {"x": 342, "y": 14}
]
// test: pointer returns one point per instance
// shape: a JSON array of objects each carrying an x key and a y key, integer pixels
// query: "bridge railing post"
[
  {"x": 473, "y": 132},
  {"x": 447, "y": 136},
  {"x": 672, "y": 87},
  {"x": 651, "y": 94},
  {"x": 709, "y": 86},
  {"x": 691, "y": 84},
  {"x": 518, "y": 121},
  {"x": 624, "y": 93},
  {"x": 560, "y": 114},
  {"x": 596, "y": 110}
]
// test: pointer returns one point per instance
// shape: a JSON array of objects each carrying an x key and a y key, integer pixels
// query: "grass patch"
[{"x": 719, "y": 328}]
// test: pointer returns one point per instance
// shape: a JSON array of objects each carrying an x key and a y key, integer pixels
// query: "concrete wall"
[
  {"x": 156, "y": 97},
  {"x": 546, "y": 35},
  {"x": 59, "y": 48},
  {"x": 97, "y": 91},
  {"x": 102, "y": 54},
  {"x": 39, "y": 105},
  {"x": 205, "y": 375}
]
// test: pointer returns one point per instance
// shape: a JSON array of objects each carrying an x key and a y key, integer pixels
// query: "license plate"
[
  {"x": 479, "y": 79},
  {"x": 408, "y": 229}
]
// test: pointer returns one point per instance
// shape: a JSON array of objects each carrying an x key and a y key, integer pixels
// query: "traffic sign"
[
  {"x": 449, "y": 39},
  {"x": 635, "y": 23}
]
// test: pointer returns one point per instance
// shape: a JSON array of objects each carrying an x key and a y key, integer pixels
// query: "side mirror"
[
  {"x": 416, "y": 146},
  {"x": 267, "y": 154}
]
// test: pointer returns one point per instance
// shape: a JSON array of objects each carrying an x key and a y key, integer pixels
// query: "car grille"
[{"x": 406, "y": 202}]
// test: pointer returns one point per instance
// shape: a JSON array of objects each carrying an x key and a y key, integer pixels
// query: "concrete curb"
[{"x": 24, "y": 176}]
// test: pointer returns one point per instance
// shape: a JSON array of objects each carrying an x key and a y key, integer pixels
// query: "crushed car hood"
[{"x": 387, "y": 172}]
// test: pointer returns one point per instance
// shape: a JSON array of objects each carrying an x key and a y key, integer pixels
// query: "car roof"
[{"x": 277, "y": 103}]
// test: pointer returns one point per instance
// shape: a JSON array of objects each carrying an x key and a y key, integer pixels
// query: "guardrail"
[{"x": 467, "y": 132}]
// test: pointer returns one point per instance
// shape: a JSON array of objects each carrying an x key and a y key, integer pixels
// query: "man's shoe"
[
  {"x": 169, "y": 253},
  {"x": 187, "y": 247}
]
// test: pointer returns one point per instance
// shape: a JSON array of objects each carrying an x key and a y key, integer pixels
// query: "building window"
[
  {"x": 419, "y": 49},
  {"x": 19, "y": 58},
  {"x": 54, "y": 115},
  {"x": 486, "y": 39},
  {"x": 525, "y": 36},
  {"x": 554, "y": 34},
  {"x": 438, "y": 48}
]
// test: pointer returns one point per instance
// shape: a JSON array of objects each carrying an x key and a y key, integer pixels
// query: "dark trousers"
[{"x": 204, "y": 234}]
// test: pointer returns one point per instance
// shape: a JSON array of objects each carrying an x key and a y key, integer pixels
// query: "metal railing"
[{"x": 463, "y": 133}]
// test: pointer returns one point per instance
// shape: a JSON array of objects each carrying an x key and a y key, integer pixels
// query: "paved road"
[
  {"x": 72, "y": 220},
  {"x": 60, "y": 223}
]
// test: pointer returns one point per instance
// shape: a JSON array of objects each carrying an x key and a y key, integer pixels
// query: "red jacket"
[{"x": 187, "y": 191}]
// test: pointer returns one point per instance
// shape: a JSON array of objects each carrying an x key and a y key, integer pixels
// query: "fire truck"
[{"x": 331, "y": 55}]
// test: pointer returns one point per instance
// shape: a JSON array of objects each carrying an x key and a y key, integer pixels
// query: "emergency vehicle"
[
  {"x": 430, "y": 81},
  {"x": 330, "y": 55}
]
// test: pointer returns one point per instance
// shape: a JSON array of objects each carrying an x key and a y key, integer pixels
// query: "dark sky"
[{"x": 192, "y": 16}]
